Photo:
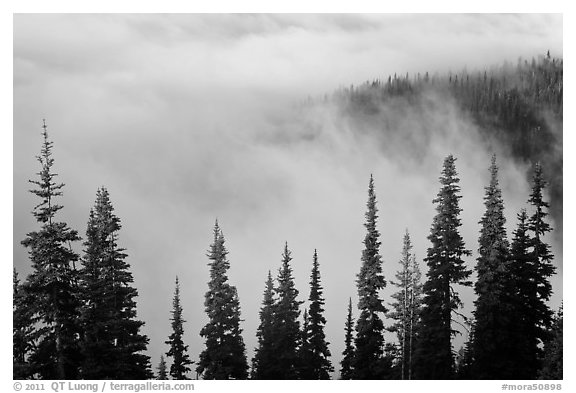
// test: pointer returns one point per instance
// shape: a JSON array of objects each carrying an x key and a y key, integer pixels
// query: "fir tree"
[
  {"x": 406, "y": 308},
  {"x": 22, "y": 330},
  {"x": 346, "y": 370},
  {"x": 318, "y": 364},
  {"x": 369, "y": 355},
  {"x": 264, "y": 354},
  {"x": 112, "y": 344},
  {"x": 52, "y": 283},
  {"x": 494, "y": 329},
  {"x": 178, "y": 351},
  {"x": 162, "y": 369},
  {"x": 445, "y": 268},
  {"x": 225, "y": 354},
  {"x": 285, "y": 324}
]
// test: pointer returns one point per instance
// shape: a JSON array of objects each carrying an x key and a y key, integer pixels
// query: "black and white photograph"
[{"x": 288, "y": 196}]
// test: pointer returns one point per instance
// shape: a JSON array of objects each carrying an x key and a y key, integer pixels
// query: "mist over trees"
[{"x": 75, "y": 314}]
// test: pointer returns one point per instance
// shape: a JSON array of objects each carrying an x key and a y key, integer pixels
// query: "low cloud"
[{"x": 189, "y": 118}]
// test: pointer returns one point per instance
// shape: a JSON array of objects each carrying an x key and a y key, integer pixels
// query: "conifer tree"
[
  {"x": 318, "y": 364},
  {"x": 285, "y": 325},
  {"x": 346, "y": 370},
  {"x": 112, "y": 344},
  {"x": 525, "y": 345},
  {"x": 264, "y": 354},
  {"x": 162, "y": 369},
  {"x": 22, "y": 330},
  {"x": 178, "y": 351},
  {"x": 445, "y": 268},
  {"x": 369, "y": 355},
  {"x": 494, "y": 329},
  {"x": 52, "y": 283},
  {"x": 225, "y": 354},
  {"x": 406, "y": 308},
  {"x": 542, "y": 256}
]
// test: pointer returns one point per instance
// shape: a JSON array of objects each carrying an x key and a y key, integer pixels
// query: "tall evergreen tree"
[
  {"x": 406, "y": 308},
  {"x": 369, "y": 355},
  {"x": 112, "y": 344},
  {"x": 319, "y": 365},
  {"x": 178, "y": 351},
  {"x": 347, "y": 362},
  {"x": 305, "y": 354},
  {"x": 162, "y": 369},
  {"x": 52, "y": 283},
  {"x": 522, "y": 267},
  {"x": 445, "y": 268},
  {"x": 264, "y": 355},
  {"x": 542, "y": 256},
  {"x": 494, "y": 328},
  {"x": 22, "y": 330},
  {"x": 285, "y": 324},
  {"x": 225, "y": 354}
]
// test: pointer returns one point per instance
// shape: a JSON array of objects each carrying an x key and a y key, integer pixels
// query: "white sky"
[{"x": 183, "y": 118}]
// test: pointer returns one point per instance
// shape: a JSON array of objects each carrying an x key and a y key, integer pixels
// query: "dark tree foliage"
[
  {"x": 445, "y": 268},
  {"x": 525, "y": 351},
  {"x": 178, "y": 351},
  {"x": 494, "y": 327},
  {"x": 369, "y": 343},
  {"x": 162, "y": 369},
  {"x": 316, "y": 363},
  {"x": 531, "y": 263},
  {"x": 225, "y": 354},
  {"x": 264, "y": 355},
  {"x": 112, "y": 344},
  {"x": 346, "y": 370},
  {"x": 285, "y": 323},
  {"x": 51, "y": 288},
  {"x": 22, "y": 330},
  {"x": 305, "y": 354},
  {"x": 552, "y": 364},
  {"x": 406, "y": 308}
]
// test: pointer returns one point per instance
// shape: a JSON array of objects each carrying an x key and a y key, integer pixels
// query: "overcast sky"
[{"x": 189, "y": 118}]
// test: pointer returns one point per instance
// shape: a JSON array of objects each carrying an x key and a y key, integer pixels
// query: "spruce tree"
[
  {"x": 22, "y": 330},
  {"x": 445, "y": 268},
  {"x": 318, "y": 365},
  {"x": 178, "y": 351},
  {"x": 494, "y": 328},
  {"x": 162, "y": 369},
  {"x": 369, "y": 343},
  {"x": 264, "y": 354},
  {"x": 347, "y": 362},
  {"x": 285, "y": 324},
  {"x": 112, "y": 344},
  {"x": 406, "y": 308},
  {"x": 225, "y": 354},
  {"x": 52, "y": 284}
]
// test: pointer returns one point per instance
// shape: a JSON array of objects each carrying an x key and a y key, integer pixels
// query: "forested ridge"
[{"x": 74, "y": 316}]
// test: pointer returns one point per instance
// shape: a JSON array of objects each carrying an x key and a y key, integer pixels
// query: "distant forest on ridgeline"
[
  {"x": 75, "y": 315},
  {"x": 516, "y": 106}
]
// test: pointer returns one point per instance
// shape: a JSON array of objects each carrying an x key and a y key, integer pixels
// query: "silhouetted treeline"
[{"x": 74, "y": 316}]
